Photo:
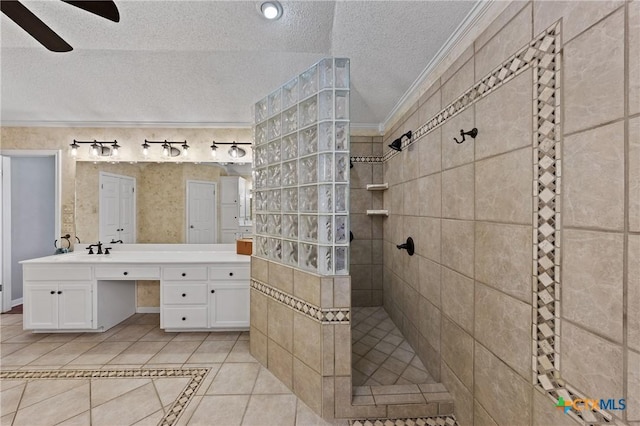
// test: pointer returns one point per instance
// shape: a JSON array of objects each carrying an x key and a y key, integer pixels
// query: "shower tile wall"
[
  {"x": 366, "y": 247},
  {"x": 464, "y": 300}
]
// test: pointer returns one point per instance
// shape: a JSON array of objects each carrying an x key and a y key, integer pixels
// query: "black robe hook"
[{"x": 473, "y": 133}]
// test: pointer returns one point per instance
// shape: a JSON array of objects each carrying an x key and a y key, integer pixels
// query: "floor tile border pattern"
[
  {"x": 543, "y": 54},
  {"x": 420, "y": 421},
  {"x": 323, "y": 316},
  {"x": 197, "y": 375}
]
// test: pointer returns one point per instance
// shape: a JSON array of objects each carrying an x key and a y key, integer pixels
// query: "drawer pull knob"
[
  {"x": 126, "y": 273},
  {"x": 230, "y": 274},
  {"x": 184, "y": 318},
  {"x": 184, "y": 274},
  {"x": 213, "y": 291},
  {"x": 184, "y": 294},
  {"x": 59, "y": 292},
  {"x": 53, "y": 292}
]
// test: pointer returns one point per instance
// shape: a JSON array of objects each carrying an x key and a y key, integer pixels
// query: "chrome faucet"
[{"x": 98, "y": 244}]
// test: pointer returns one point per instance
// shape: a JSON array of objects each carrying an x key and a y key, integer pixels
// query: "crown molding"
[
  {"x": 482, "y": 11},
  {"x": 128, "y": 124}
]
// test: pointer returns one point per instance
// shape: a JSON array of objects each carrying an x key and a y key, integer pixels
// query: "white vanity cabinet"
[
  {"x": 229, "y": 296},
  {"x": 202, "y": 287},
  {"x": 183, "y": 298},
  {"x": 58, "y": 298},
  {"x": 201, "y": 297}
]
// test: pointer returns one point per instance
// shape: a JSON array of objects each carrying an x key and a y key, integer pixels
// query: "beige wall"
[
  {"x": 366, "y": 248},
  {"x": 465, "y": 299}
]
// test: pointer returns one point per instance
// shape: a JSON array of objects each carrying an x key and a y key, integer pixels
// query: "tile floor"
[
  {"x": 381, "y": 355},
  {"x": 136, "y": 373}
]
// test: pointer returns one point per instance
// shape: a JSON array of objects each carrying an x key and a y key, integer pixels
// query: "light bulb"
[
  {"x": 145, "y": 151},
  {"x": 185, "y": 152},
  {"x": 234, "y": 151},
  {"x": 214, "y": 153},
  {"x": 74, "y": 151},
  {"x": 114, "y": 151},
  {"x": 94, "y": 150},
  {"x": 165, "y": 151}
]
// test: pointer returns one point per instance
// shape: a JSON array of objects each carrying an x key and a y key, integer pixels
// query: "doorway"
[
  {"x": 30, "y": 211},
  {"x": 201, "y": 212},
  {"x": 117, "y": 208}
]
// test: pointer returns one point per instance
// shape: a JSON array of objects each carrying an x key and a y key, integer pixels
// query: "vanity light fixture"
[
  {"x": 271, "y": 10},
  {"x": 97, "y": 149},
  {"x": 397, "y": 144},
  {"x": 114, "y": 149},
  {"x": 236, "y": 152},
  {"x": 168, "y": 150}
]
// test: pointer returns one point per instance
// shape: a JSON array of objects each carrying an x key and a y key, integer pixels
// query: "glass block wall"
[{"x": 301, "y": 171}]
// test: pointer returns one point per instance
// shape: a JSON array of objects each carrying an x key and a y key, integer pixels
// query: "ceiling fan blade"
[
  {"x": 34, "y": 26},
  {"x": 105, "y": 9}
]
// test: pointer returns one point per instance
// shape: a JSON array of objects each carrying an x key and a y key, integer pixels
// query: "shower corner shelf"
[
  {"x": 377, "y": 212},
  {"x": 377, "y": 186}
]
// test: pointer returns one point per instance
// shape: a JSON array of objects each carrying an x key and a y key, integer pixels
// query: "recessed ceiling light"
[{"x": 271, "y": 10}]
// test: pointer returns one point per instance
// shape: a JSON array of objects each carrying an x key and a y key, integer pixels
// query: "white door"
[
  {"x": 127, "y": 211},
  {"x": 109, "y": 207},
  {"x": 4, "y": 252},
  {"x": 117, "y": 208},
  {"x": 228, "y": 306},
  {"x": 201, "y": 212}
]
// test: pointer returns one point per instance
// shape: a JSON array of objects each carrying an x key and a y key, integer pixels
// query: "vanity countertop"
[{"x": 149, "y": 254}]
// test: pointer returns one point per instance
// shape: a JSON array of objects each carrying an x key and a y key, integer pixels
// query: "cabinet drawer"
[
  {"x": 71, "y": 273},
  {"x": 186, "y": 273},
  {"x": 191, "y": 317},
  {"x": 184, "y": 294},
  {"x": 227, "y": 273},
  {"x": 128, "y": 272}
]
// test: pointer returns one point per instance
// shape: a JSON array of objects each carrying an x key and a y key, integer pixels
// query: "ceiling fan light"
[{"x": 271, "y": 10}]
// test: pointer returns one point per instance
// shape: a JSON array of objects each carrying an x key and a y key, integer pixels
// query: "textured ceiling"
[{"x": 205, "y": 63}]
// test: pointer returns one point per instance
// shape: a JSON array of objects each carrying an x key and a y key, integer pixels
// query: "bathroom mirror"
[{"x": 161, "y": 196}]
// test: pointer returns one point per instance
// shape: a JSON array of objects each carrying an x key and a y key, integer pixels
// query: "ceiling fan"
[{"x": 29, "y": 22}]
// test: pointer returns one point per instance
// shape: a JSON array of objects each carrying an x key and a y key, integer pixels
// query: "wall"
[
  {"x": 366, "y": 248},
  {"x": 32, "y": 213},
  {"x": 464, "y": 300}
]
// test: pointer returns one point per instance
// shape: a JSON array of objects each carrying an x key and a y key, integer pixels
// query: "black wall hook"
[
  {"x": 473, "y": 133},
  {"x": 407, "y": 246}
]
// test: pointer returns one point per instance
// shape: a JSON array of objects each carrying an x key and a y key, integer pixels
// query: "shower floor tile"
[{"x": 380, "y": 353}]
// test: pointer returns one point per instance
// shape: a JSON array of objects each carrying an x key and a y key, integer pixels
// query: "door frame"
[
  {"x": 135, "y": 202},
  {"x": 215, "y": 209},
  {"x": 6, "y": 207}
]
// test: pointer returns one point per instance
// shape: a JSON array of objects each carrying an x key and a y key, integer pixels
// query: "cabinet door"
[
  {"x": 229, "y": 190},
  {"x": 229, "y": 216},
  {"x": 41, "y": 305},
  {"x": 228, "y": 306},
  {"x": 228, "y": 237},
  {"x": 75, "y": 306}
]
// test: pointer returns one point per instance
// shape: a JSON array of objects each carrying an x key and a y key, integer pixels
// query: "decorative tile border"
[
  {"x": 420, "y": 421},
  {"x": 367, "y": 159},
  {"x": 197, "y": 375},
  {"x": 324, "y": 316},
  {"x": 542, "y": 55}
]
